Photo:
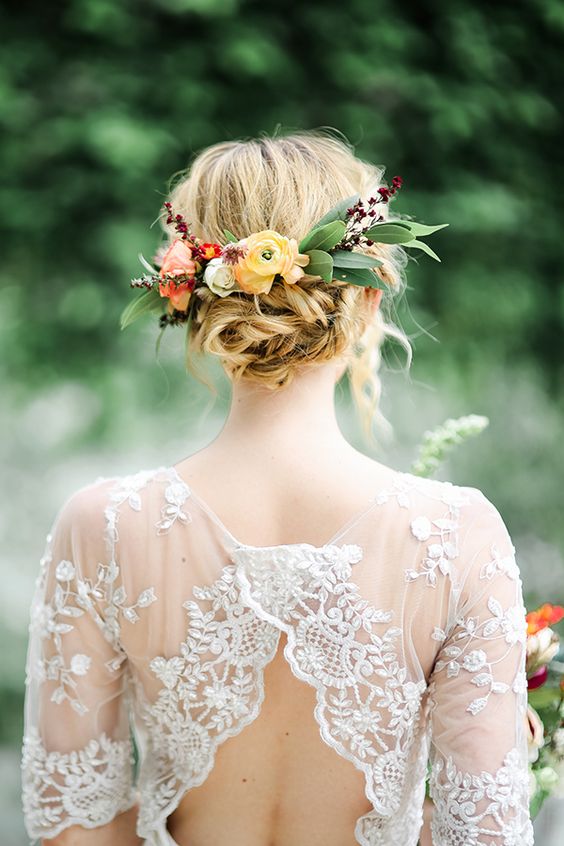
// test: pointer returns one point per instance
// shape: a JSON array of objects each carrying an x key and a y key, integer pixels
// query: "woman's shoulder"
[
  {"x": 461, "y": 517},
  {"x": 104, "y": 494},
  {"x": 412, "y": 490}
]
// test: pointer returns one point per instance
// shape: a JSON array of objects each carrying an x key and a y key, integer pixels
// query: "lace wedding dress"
[{"x": 408, "y": 624}]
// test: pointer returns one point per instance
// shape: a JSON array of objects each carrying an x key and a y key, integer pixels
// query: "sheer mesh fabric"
[{"x": 149, "y": 617}]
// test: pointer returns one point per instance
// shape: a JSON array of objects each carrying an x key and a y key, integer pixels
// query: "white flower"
[
  {"x": 475, "y": 660},
  {"x": 167, "y": 671},
  {"x": 80, "y": 664},
  {"x": 542, "y": 647},
  {"x": 558, "y": 740},
  {"x": 219, "y": 277},
  {"x": 421, "y": 528},
  {"x": 514, "y": 625},
  {"x": 217, "y": 695},
  {"x": 65, "y": 571},
  {"x": 43, "y": 620}
]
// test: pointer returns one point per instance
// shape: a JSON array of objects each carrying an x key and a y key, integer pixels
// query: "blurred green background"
[{"x": 101, "y": 101}]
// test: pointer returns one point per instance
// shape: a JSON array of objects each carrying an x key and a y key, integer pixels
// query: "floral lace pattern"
[
  {"x": 470, "y": 807},
  {"x": 375, "y": 707},
  {"x": 210, "y": 692},
  {"x": 88, "y": 786},
  {"x": 345, "y": 649}
]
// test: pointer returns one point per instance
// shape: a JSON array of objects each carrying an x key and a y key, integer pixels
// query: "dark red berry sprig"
[
  {"x": 362, "y": 216},
  {"x": 182, "y": 228}
]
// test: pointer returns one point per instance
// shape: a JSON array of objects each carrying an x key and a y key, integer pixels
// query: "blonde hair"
[{"x": 287, "y": 183}]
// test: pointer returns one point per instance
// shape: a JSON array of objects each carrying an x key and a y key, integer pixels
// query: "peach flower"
[
  {"x": 179, "y": 295},
  {"x": 177, "y": 261},
  {"x": 267, "y": 255}
]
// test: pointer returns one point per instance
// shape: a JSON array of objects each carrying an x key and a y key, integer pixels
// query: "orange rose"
[
  {"x": 177, "y": 260},
  {"x": 179, "y": 296},
  {"x": 268, "y": 254}
]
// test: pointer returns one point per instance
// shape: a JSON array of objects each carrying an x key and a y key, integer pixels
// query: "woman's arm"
[
  {"x": 119, "y": 832},
  {"x": 479, "y": 764},
  {"x": 77, "y": 760}
]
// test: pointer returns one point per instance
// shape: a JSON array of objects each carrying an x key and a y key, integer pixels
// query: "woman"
[{"x": 294, "y": 629}]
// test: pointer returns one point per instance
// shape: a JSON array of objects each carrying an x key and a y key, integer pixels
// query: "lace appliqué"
[
  {"x": 505, "y": 564},
  {"x": 334, "y": 646},
  {"x": 127, "y": 489},
  {"x": 74, "y": 595},
  {"x": 211, "y": 691},
  {"x": 469, "y": 807},
  {"x": 176, "y": 494},
  {"x": 440, "y": 534},
  {"x": 86, "y": 787}
]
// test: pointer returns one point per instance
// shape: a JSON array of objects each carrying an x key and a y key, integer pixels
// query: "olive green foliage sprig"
[
  {"x": 439, "y": 442},
  {"x": 333, "y": 244}
]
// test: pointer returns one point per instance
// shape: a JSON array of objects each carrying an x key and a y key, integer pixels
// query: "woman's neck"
[{"x": 297, "y": 419}]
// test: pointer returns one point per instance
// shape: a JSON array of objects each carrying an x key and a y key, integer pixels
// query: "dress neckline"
[{"x": 239, "y": 544}]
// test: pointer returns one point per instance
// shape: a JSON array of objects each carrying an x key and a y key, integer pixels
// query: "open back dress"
[{"x": 152, "y": 626}]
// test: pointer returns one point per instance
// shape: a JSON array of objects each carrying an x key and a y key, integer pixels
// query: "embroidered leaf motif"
[
  {"x": 482, "y": 679},
  {"x": 477, "y": 705},
  {"x": 495, "y": 607},
  {"x": 491, "y": 627}
]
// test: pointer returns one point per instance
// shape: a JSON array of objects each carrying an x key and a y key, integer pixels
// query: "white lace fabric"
[{"x": 150, "y": 619}]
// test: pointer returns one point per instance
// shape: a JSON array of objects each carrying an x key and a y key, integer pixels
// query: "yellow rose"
[{"x": 268, "y": 254}]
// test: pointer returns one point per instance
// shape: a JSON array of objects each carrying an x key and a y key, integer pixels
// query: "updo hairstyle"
[{"x": 287, "y": 183}]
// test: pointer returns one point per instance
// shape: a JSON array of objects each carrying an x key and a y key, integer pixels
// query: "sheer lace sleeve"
[
  {"x": 478, "y": 755},
  {"x": 77, "y": 752}
]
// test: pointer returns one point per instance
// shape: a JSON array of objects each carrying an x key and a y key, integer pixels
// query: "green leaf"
[
  {"x": 347, "y": 258},
  {"x": 320, "y": 264},
  {"x": 389, "y": 233},
  {"x": 544, "y": 697},
  {"x": 323, "y": 237},
  {"x": 537, "y": 801},
  {"x": 359, "y": 276},
  {"x": 147, "y": 302},
  {"x": 421, "y": 228},
  {"x": 339, "y": 211},
  {"x": 420, "y": 245},
  {"x": 231, "y": 239},
  {"x": 148, "y": 267}
]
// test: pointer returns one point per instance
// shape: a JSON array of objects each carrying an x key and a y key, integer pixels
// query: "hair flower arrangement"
[{"x": 333, "y": 249}]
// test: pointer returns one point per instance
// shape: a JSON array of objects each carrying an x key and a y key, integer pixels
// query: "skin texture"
[{"x": 301, "y": 478}]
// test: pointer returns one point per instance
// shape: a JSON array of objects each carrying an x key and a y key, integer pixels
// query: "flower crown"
[{"x": 331, "y": 250}]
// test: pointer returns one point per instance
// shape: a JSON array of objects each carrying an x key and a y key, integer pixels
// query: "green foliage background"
[{"x": 101, "y": 101}]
